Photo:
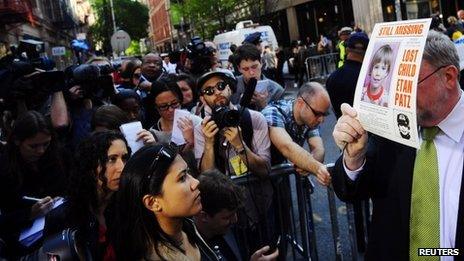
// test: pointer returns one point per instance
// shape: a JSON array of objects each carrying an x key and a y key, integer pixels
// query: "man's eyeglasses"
[
  {"x": 253, "y": 67},
  {"x": 165, "y": 107},
  {"x": 316, "y": 113},
  {"x": 164, "y": 154},
  {"x": 432, "y": 73},
  {"x": 220, "y": 86}
]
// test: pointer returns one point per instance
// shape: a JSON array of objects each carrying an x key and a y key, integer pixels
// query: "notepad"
[
  {"x": 261, "y": 86},
  {"x": 130, "y": 130},
  {"x": 177, "y": 137},
  {"x": 33, "y": 233}
]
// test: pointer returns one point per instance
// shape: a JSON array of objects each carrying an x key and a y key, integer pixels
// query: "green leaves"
[{"x": 130, "y": 16}]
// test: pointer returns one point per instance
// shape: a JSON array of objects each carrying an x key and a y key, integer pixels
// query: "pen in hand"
[{"x": 31, "y": 199}]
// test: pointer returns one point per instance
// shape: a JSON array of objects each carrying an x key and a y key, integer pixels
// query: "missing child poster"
[{"x": 385, "y": 95}]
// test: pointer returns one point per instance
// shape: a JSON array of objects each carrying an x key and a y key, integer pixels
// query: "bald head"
[
  {"x": 460, "y": 14},
  {"x": 150, "y": 56},
  {"x": 313, "y": 89},
  {"x": 152, "y": 66}
]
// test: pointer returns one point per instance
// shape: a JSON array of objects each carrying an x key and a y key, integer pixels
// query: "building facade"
[
  {"x": 43, "y": 24},
  {"x": 369, "y": 12},
  {"x": 306, "y": 20},
  {"x": 159, "y": 25}
]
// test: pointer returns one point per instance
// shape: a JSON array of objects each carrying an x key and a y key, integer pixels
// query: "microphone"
[{"x": 248, "y": 93}]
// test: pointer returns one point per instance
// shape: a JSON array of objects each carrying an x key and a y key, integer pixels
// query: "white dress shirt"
[
  {"x": 170, "y": 67},
  {"x": 449, "y": 143}
]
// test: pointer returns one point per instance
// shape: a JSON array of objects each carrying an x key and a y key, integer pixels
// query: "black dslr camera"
[
  {"x": 94, "y": 80},
  {"x": 200, "y": 55},
  {"x": 20, "y": 80},
  {"x": 225, "y": 117}
]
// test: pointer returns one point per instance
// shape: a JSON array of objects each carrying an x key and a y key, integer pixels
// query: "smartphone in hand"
[{"x": 273, "y": 246}]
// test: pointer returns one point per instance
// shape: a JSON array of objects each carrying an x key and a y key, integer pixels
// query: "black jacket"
[
  {"x": 341, "y": 85},
  {"x": 387, "y": 179}
]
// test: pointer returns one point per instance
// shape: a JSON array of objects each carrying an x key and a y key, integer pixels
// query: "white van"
[{"x": 225, "y": 40}]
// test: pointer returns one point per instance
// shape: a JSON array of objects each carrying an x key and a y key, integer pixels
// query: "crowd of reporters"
[{"x": 61, "y": 139}]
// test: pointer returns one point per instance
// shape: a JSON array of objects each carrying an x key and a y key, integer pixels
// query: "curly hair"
[{"x": 83, "y": 197}]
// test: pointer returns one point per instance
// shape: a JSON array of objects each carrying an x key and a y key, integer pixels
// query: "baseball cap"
[
  {"x": 223, "y": 74},
  {"x": 357, "y": 42},
  {"x": 254, "y": 38}
]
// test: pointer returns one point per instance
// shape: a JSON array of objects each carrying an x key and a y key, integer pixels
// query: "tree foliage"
[
  {"x": 130, "y": 16},
  {"x": 134, "y": 48},
  {"x": 207, "y": 17}
]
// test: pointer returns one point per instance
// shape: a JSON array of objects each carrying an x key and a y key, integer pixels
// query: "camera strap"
[{"x": 247, "y": 134}]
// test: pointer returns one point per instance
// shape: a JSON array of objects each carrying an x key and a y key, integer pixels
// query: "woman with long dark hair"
[
  {"x": 156, "y": 195},
  {"x": 32, "y": 173},
  {"x": 99, "y": 161}
]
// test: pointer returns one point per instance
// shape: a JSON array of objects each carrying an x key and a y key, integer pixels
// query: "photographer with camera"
[
  {"x": 236, "y": 141},
  {"x": 227, "y": 134},
  {"x": 24, "y": 85},
  {"x": 91, "y": 86},
  {"x": 201, "y": 57}
]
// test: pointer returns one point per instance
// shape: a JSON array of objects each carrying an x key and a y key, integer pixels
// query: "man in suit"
[{"x": 387, "y": 172}]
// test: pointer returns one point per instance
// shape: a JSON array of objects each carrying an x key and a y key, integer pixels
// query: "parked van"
[{"x": 242, "y": 30}]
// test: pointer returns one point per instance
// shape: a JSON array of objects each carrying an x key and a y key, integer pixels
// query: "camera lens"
[{"x": 225, "y": 117}]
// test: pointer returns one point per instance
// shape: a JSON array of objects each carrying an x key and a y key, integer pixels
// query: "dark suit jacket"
[
  {"x": 387, "y": 179},
  {"x": 341, "y": 85}
]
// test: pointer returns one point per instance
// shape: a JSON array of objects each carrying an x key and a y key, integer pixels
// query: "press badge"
[{"x": 239, "y": 166}]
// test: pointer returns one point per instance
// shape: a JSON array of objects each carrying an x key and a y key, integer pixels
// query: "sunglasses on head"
[
  {"x": 220, "y": 86},
  {"x": 165, "y": 153}
]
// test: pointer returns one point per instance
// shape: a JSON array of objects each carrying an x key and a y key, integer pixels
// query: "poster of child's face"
[{"x": 379, "y": 73}]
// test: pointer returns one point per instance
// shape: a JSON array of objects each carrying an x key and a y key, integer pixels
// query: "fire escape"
[
  {"x": 15, "y": 11},
  {"x": 59, "y": 14}
]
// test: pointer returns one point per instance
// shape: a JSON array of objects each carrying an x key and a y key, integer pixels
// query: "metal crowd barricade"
[
  {"x": 294, "y": 217},
  {"x": 292, "y": 205},
  {"x": 319, "y": 67}
]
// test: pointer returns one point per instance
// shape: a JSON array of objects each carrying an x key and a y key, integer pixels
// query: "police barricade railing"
[
  {"x": 352, "y": 235},
  {"x": 292, "y": 210},
  {"x": 319, "y": 67}
]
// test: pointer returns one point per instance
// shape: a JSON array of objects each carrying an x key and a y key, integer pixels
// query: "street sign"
[
  {"x": 120, "y": 41},
  {"x": 81, "y": 36},
  {"x": 58, "y": 51}
]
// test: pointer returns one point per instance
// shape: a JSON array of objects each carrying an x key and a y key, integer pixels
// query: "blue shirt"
[{"x": 280, "y": 114}]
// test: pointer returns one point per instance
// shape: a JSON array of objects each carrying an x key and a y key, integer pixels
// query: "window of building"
[{"x": 421, "y": 8}]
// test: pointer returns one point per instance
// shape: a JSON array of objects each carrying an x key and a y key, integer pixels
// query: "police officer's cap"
[
  {"x": 402, "y": 119},
  {"x": 254, "y": 38}
]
